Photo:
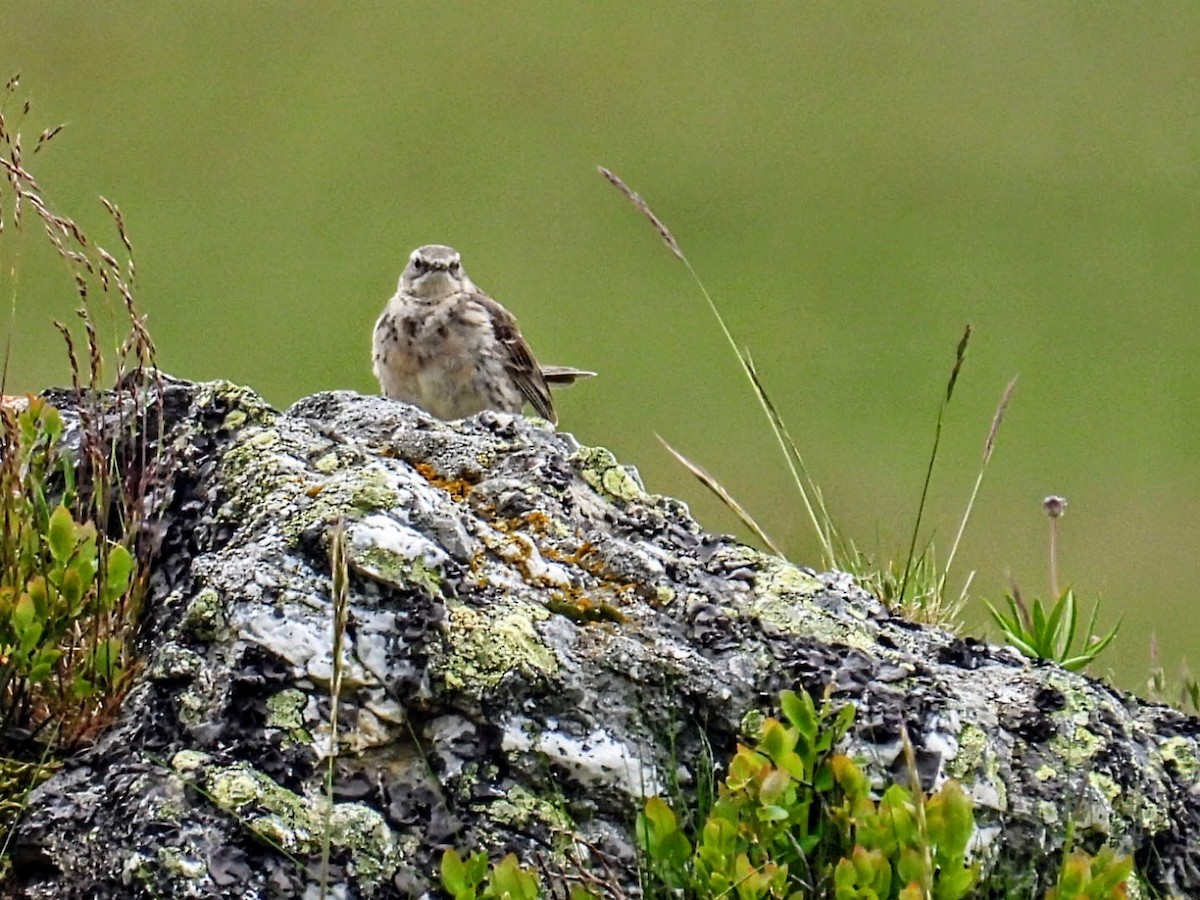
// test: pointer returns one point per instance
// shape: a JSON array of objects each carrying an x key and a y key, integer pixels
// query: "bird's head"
[{"x": 433, "y": 271}]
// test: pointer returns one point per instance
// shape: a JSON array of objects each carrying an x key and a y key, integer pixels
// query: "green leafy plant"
[
  {"x": 506, "y": 880},
  {"x": 795, "y": 819},
  {"x": 1052, "y": 633},
  {"x": 1099, "y": 877},
  {"x": 905, "y": 846},
  {"x": 62, "y": 634}
]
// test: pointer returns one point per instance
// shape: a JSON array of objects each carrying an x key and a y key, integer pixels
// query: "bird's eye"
[
  {"x": 418, "y": 265},
  {"x": 454, "y": 265}
]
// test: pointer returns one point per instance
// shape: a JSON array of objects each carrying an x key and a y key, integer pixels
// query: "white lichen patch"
[
  {"x": 598, "y": 759},
  {"x": 487, "y": 645}
]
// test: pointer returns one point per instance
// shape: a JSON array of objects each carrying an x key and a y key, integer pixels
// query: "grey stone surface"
[{"x": 534, "y": 643}]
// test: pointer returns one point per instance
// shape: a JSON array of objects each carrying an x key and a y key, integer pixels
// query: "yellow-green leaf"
[{"x": 61, "y": 534}]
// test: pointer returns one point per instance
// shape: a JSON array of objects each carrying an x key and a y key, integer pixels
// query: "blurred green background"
[{"x": 853, "y": 181}]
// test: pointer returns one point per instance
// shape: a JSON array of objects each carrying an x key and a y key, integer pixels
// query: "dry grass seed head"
[{"x": 644, "y": 208}]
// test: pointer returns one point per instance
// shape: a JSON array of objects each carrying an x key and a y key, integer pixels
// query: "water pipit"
[{"x": 447, "y": 347}]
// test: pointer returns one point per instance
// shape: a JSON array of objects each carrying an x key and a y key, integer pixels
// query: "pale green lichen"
[
  {"x": 348, "y": 492},
  {"x": 234, "y": 787},
  {"x": 519, "y": 807},
  {"x": 248, "y": 471},
  {"x": 753, "y": 724},
  {"x": 189, "y": 760},
  {"x": 972, "y": 750},
  {"x": 204, "y": 617},
  {"x": 487, "y": 645},
  {"x": 779, "y": 577},
  {"x": 783, "y": 597},
  {"x": 1048, "y": 812},
  {"x": 1104, "y": 786},
  {"x": 244, "y": 405},
  {"x": 297, "y": 823},
  {"x": 1182, "y": 752},
  {"x": 1045, "y": 773},
  {"x": 176, "y": 863},
  {"x": 234, "y": 419},
  {"x": 600, "y": 469},
  {"x": 1134, "y": 806},
  {"x": 396, "y": 569},
  {"x": 138, "y": 866},
  {"x": 191, "y": 707},
  {"x": 327, "y": 464},
  {"x": 285, "y": 711},
  {"x": 1076, "y": 744},
  {"x": 175, "y": 661}
]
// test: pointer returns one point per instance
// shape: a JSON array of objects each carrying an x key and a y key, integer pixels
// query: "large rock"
[{"x": 534, "y": 643}]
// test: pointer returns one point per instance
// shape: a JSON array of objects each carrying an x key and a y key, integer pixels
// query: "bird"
[{"x": 444, "y": 345}]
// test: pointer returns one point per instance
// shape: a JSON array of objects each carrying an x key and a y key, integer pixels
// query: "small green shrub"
[
  {"x": 473, "y": 878},
  {"x": 1099, "y": 877},
  {"x": 794, "y": 819},
  {"x": 63, "y": 587}
]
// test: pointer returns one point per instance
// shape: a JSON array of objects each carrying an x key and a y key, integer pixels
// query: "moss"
[
  {"x": 600, "y": 469},
  {"x": 486, "y": 646}
]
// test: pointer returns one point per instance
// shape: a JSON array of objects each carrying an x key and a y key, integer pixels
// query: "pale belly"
[{"x": 444, "y": 364}]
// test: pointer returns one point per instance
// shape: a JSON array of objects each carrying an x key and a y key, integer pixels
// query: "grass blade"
[{"x": 723, "y": 495}]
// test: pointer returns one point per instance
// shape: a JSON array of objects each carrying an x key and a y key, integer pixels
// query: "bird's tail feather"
[{"x": 564, "y": 374}]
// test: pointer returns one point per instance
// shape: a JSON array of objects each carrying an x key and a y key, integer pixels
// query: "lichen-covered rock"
[{"x": 534, "y": 642}]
